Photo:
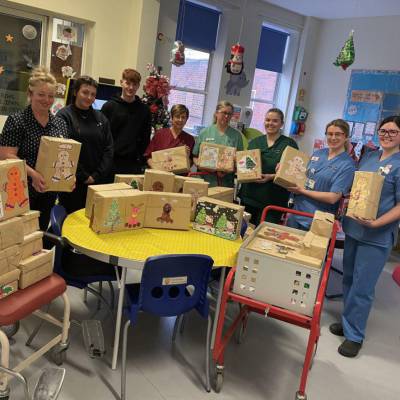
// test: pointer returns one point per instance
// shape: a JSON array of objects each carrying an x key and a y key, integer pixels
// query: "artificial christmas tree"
[{"x": 347, "y": 54}]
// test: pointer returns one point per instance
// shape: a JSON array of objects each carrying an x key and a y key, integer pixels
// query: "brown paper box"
[
  {"x": 281, "y": 236},
  {"x": 158, "y": 181},
  {"x": 57, "y": 161},
  {"x": 14, "y": 197},
  {"x": 118, "y": 210},
  {"x": 9, "y": 283},
  {"x": 196, "y": 190},
  {"x": 218, "y": 218},
  {"x": 292, "y": 168},
  {"x": 135, "y": 181},
  {"x": 314, "y": 246},
  {"x": 11, "y": 232},
  {"x": 9, "y": 259},
  {"x": 216, "y": 157},
  {"x": 365, "y": 195},
  {"x": 221, "y": 193},
  {"x": 168, "y": 210},
  {"x": 30, "y": 221},
  {"x": 180, "y": 180},
  {"x": 35, "y": 268},
  {"x": 92, "y": 189},
  {"x": 32, "y": 244},
  {"x": 265, "y": 246},
  {"x": 248, "y": 165},
  {"x": 175, "y": 159},
  {"x": 305, "y": 260},
  {"x": 322, "y": 224}
]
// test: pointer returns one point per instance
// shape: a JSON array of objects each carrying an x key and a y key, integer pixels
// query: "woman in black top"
[
  {"x": 21, "y": 135},
  {"x": 92, "y": 129}
]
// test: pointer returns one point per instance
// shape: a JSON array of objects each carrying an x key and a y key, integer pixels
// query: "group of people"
[{"x": 117, "y": 139}]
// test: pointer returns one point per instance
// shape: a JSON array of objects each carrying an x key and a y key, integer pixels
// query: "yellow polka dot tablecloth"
[{"x": 142, "y": 243}]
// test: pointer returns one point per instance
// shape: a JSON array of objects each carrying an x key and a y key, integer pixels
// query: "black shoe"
[
  {"x": 349, "y": 348},
  {"x": 336, "y": 329}
]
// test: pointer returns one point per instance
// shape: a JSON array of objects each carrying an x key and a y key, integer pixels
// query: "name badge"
[
  {"x": 210, "y": 139},
  {"x": 314, "y": 158},
  {"x": 310, "y": 183}
]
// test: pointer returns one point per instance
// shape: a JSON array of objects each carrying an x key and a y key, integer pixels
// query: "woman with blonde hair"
[
  {"x": 21, "y": 135},
  {"x": 220, "y": 133}
]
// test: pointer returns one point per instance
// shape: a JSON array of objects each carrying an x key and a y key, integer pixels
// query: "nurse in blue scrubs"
[
  {"x": 368, "y": 243},
  {"x": 330, "y": 174}
]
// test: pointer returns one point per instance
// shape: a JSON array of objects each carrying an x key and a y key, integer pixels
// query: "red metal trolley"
[{"x": 247, "y": 305}]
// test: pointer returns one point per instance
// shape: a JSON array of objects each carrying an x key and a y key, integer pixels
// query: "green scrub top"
[
  {"x": 211, "y": 134},
  {"x": 260, "y": 195}
]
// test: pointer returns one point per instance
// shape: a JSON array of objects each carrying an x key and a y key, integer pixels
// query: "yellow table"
[{"x": 130, "y": 249}]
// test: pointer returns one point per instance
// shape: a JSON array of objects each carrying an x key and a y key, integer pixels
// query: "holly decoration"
[
  {"x": 114, "y": 216},
  {"x": 347, "y": 54},
  {"x": 250, "y": 163},
  {"x": 201, "y": 217}
]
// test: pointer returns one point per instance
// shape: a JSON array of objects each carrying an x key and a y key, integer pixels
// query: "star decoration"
[
  {"x": 9, "y": 38},
  {"x": 1, "y": 69}
]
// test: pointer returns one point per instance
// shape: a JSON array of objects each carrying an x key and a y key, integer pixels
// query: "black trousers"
[{"x": 43, "y": 202}]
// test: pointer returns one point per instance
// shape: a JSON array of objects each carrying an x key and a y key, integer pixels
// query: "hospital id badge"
[{"x": 310, "y": 183}]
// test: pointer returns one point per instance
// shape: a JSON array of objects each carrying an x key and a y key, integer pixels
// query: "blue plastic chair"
[{"x": 171, "y": 285}]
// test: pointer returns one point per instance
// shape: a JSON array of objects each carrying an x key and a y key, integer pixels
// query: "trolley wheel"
[
  {"x": 59, "y": 353},
  {"x": 219, "y": 378},
  {"x": 300, "y": 396},
  {"x": 240, "y": 333}
]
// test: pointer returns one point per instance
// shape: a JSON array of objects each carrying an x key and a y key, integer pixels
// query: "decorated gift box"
[
  {"x": 216, "y": 157},
  {"x": 180, "y": 180},
  {"x": 118, "y": 210},
  {"x": 135, "y": 181},
  {"x": 168, "y": 210},
  {"x": 365, "y": 195},
  {"x": 33, "y": 243},
  {"x": 292, "y": 168},
  {"x": 30, "y": 221},
  {"x": 175, "y": 159},
  {"x": 14, "y": 197},
  {"x": 196, "y": 188},
  {"x": 9, "y": 283},
  {"x": 218, "y": 218},
  {"x": 35, "y": 268},
  {"x": 158, "y": 181},
  {"x": 57, "y": 162},
  {"x": 248, "y": 165},
  {"x": 11, "y": 232},
  {"x": 221, "y": 193},
  {"x": 281, "y": 236},
  {"x": 9, "y": 259},
  {"x": 92, "y": 189},
  {"x": 322, "y": 224}
]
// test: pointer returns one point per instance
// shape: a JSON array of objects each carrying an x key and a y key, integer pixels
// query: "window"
[
  {"x": 189, "y": 81},
  {"x": 270, "y": 61}
]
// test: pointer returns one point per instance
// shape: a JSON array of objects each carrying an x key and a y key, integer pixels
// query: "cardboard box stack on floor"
[{"x": 23, "y": 261}]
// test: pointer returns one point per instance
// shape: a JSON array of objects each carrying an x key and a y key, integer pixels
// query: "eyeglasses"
[
  {"x": 228, "y": 114},
  {"x": 390, "y": 132},
  {"x": 335, "y": 134}
]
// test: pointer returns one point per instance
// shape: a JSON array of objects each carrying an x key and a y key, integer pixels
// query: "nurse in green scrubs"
[
  {"x": 259, "y": 194},
  {"x": 220, "y": 133}
]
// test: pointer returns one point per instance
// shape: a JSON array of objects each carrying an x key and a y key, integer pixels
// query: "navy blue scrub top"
[
  {"x": 323, "y": 175},
  {"x": 390, "y": 196}
]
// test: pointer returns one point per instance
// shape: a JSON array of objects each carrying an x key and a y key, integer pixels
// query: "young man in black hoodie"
[{"x": 130, "y": 122}]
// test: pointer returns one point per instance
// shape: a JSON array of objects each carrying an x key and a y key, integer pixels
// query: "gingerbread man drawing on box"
[
  {"x": 296, "y": 167},
  {"x": 62, "y": 167},
  {"x": 132, "y": 220},
  {"x": 15, "y": 189}
]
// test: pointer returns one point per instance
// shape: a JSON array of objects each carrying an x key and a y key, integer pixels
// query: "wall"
[
  {"x": 326, "y": 85},
  {"x": 121, "y": 33}
]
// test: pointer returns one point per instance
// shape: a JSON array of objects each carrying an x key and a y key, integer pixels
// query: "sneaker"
[
  {"x": 336, "y": 329},
  {"x": 349, "y": 348}
]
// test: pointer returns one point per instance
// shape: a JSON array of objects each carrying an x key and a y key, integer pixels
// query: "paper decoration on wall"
[
  {"x": 234, "y": 65},
  {"x": 347, "y": 54},
  {"x": 178, "y": 54},
  {"x": 61, "y": 88},
  {"x": 9, "y": 38},
  {"x": 29, "y": 32},
  {"x": 235, "y": 84},
  {"x": 1, "y": 69},
  {"x": 63, "y": 52},
  {"x": 67, "y": 71},
  {"x": 29, "y": 61}
]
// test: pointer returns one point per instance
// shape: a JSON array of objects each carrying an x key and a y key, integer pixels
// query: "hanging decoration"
[
  {"x": 63, "y": 52},
  {"x": 29, "y": 32},
  {"x": 178, "y": 54},
  {"x": 234, "y": 65},
  {"x": 9, "y": 38},
  {"x": 347, "y": 54},
  {"x": 156, "y": 91}
]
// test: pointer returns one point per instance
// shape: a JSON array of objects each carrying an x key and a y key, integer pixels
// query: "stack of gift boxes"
[{"x": 23, "y": 261}]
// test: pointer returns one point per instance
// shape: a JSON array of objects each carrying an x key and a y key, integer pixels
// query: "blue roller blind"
[
  {"x": 271, "y": 49},
  {"x": 197, "y": 26}
]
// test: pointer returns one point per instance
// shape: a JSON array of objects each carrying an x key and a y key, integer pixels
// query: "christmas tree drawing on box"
[
  {"x": 114, "y": 216},
  {"x": 248, "y": 165},
  {"x": 218, "y": 218}
]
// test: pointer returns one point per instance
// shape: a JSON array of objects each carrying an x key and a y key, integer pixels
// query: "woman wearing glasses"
[
  {"x": 330, "y": 174},
  {"x": 257, "y": 195},
  {"x": 369, "y": 242},
  {"x": 220, "y": 133}
]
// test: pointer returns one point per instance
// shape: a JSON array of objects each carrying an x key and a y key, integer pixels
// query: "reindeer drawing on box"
[{"x": 132, "y": 221}]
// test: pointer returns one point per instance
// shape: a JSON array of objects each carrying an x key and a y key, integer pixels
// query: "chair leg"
[
  {"x": 85, "y": 295},
  {"x": 112, "y": 295},
  {"x": 208, "y": 350},
  {"x": 178, "y": 322},
  {"x": 182, "y": 324},
  {"x": 36, "y": 329},
  {"x": 101, "y": 292},
  {"x": 123, "y": 362}
]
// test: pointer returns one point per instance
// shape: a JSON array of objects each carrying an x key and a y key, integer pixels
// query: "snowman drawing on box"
[{"x": 296, "y": 168}]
